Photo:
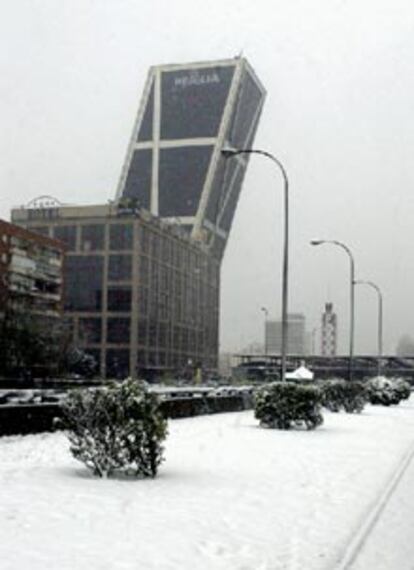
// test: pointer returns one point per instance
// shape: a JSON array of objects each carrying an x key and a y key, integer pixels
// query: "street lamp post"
[
  {"x": 380, "y": 319},
  {"x": 229, "y": 152},
  {"x": 351, "y": 297},
  {"x": 266, "y": 314}
]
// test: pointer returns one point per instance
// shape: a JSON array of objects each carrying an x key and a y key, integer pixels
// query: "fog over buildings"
[{"x": 340, "y": 85}]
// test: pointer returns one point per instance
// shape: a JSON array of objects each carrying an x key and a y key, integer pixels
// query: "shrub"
[
  {"x": 117, "y": 427},
  {"x": 403, "y": 388},
  {"x": 387, "y": 391},
  {"x": 340, "y": 395},
  {"x": 282, "y": 405}
]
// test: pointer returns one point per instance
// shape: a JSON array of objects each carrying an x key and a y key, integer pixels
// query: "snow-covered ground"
[{"x": 229, "y": 496}]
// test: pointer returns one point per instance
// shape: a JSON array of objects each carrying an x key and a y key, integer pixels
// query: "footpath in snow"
[{"x": 229, "y": 496}]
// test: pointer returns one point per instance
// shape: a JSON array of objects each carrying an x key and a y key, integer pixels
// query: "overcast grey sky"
[{"x": 339, "y": 115}]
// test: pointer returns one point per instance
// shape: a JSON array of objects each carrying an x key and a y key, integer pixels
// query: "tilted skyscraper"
[
  {"x": 141, "y": 296},
  {"x": 173, "y": 166}
]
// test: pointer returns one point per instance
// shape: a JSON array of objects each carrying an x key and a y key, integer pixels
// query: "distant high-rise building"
[
  {"x": 296, "y": 342},
  {"x": 329, "y": 331}
]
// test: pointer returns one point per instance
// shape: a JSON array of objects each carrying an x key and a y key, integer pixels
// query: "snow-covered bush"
[
  {"x": 387, "y": 391},
  {"x": 282, "y": 405},
  {"x": 340, "y": 395},
  {"x": 403, "y": 388},
  {"x": 117, "y": 427}
]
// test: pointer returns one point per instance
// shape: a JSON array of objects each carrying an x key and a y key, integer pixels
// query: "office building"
[
  {"x": 329, "y": 331},
  {"x": 140, "y": 295},
  {"x": 174, "y": 166},
  {"x": 296, "y": 335}
]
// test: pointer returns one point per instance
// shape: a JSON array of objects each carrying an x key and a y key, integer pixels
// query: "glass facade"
[
  {"x": 175, "y": 319},
  {"x": 83, "y": 283},
  {"x": 182, "y": 175},
  {"x": 138, "y": 182},
  {"x": 145, "y": 130},
  {"x": 245, "y": 113},
  {"x": 192, "y": 101},
  {"x": 201, "y": 108}
]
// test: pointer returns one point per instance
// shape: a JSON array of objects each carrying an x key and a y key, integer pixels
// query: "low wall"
[{"x": 35, "y": 418}]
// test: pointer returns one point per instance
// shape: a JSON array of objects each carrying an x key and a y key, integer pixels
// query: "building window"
[
  {"x": 118, "y": 330},
  {"x": 67, "y": 234},
  {"x": 120, "y": 236},
  {"x": 142, "y": 332},
  {"x": 92, "y": 237},
  {"x": 83, "y": 283},
  {"x": 90, "y": 330},
  {"x": 120, "y": 268},
  {"x": 117, "y": 363},
  {"x": 119, "y": 298}
]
